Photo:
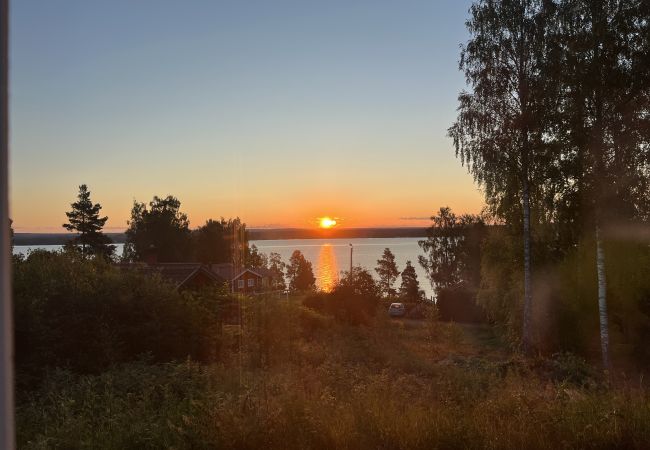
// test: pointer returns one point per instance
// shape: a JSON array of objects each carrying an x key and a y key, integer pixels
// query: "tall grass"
[{"x": 290, "y": 377}]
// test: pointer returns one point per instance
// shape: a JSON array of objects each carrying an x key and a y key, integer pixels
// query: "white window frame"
[
  {"x": 7, "y": 433},
  {"x": 251, "y": 282},
  {"x": 240, "y": 284}
]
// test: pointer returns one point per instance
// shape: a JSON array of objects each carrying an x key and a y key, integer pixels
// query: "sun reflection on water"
[{"x": 328, "y": 270}]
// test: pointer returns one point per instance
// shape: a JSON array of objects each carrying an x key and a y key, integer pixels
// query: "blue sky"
[{"x": 276, "y": 111}]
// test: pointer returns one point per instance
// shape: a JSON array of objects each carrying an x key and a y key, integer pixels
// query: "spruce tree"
[
  {"x": 387, "y": 271},
  {"x": 410, "y": 288},
  {"x": 84, "y": 219}
]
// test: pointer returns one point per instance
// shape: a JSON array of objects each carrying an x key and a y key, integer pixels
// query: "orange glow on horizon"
[{"x": 326, "y": 222}]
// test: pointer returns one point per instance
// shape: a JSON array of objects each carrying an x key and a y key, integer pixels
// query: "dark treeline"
[
  {"x": 254, "y": 234},
  {"x": 555, "y": 128}
]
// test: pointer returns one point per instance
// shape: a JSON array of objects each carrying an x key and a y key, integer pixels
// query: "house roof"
[
  {"x": 224, "y": 270},
  {"x": 261, "y": 272},
  {"x": 179, "y": 273}
]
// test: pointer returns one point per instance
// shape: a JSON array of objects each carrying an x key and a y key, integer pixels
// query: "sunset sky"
[{"x": 279, "y": 112}]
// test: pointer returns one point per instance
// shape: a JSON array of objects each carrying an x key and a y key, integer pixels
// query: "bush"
[
  {"x": 344, "y": 305},
  {"x": 459, "y": 305},
  {"x": 353, "y": 300},
  {"x": 132, "y": 406},
  {"x": 88, "y": 315}
]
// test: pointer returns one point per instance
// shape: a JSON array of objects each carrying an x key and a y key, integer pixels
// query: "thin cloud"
[{"x": 415, "y": 218}]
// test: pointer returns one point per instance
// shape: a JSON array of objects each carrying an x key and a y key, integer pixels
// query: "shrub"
[
  {"x": 459, "y": 305},
  {"x": 88, "y": 315},
  {"x": 344, "y": 306},
  {"x": 353, "y": 300}
]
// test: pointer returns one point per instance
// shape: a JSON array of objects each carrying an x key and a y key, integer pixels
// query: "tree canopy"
[
  {"x": 159, "y": 232},
  {"x": 300, "y": 273}
]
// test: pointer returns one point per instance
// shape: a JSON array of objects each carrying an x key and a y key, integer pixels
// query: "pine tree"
[
  {"x": 85, "y": 221},
  {"x": 410, "y": 288},
  {"x": 388, "y": 272}
]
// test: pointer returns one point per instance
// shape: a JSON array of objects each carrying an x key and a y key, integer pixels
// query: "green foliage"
[
  {"x": 358, "y": 282},
  {"x": 84, "y": 220},
  {"x": 132, "y": 406},
  {"x": 388, "y": 273},
  {"x": 291, "y": 378},
  {"x": 628, "y": 289},
  {"x": 499, "y": 131},
  {"x": 277, "y": 267},
  {"x": 566, "y": 367},
  {"x": 160, "y": 232},
  {"x": 255, "y": 259},
  {"x": 458, "y": 304},
  {"x": 87, "y": 315},
  {"x": 213, "y": 241},
  {"x": 300, "y": 273},
  {"x": 501, "y": 287},
  {"x": 452, "y": 250},
  {"x": 354, "y": 299},
  {"x": 566, "y": 315}
]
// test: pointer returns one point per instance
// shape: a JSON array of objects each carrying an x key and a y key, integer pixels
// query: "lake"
[{"x": 328, "y": 256}]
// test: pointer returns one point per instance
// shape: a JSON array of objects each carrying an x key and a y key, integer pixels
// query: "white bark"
[
  {"x": 7, "y": 433},
  {"x": 602, "y": 299}
]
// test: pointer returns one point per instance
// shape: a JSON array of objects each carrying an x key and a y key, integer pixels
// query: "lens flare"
[{"x": 326, "y": 222}]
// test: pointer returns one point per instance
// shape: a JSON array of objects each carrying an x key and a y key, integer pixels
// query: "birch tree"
[
  {"x": 498, "y": 131},
  {"x": 603, "y": 120}
]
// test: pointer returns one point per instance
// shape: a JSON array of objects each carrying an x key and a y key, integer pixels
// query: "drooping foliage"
[
  {"x": 554, "y": 129},
  {"x": 452, "y": 250}
]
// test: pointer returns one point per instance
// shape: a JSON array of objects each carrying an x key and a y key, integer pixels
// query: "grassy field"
[{"x": 292, "y": 378}]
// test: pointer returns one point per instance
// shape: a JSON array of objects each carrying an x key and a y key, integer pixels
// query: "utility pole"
[
  {"x": 350, "y": 259},
  {"x": 7, "y": 433}
]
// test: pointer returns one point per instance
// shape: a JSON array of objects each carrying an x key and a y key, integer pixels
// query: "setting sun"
[{"x": 326, "y": 222}]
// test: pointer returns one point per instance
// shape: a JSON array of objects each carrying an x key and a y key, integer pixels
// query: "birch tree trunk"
[{"x": 602, "y": 299}]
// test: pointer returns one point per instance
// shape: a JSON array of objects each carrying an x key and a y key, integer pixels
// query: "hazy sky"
[{"x": 276, "y": 111}]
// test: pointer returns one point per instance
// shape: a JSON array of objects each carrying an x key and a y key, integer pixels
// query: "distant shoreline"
[{"x": 253, "y": 234}]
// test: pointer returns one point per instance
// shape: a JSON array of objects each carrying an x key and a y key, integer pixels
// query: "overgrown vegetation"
[
  {"x": 87, "y": 315},
  {"x": 289, "y": 376}
]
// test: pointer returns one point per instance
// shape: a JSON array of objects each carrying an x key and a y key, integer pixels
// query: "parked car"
[{"x": 397, "y": 310}]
